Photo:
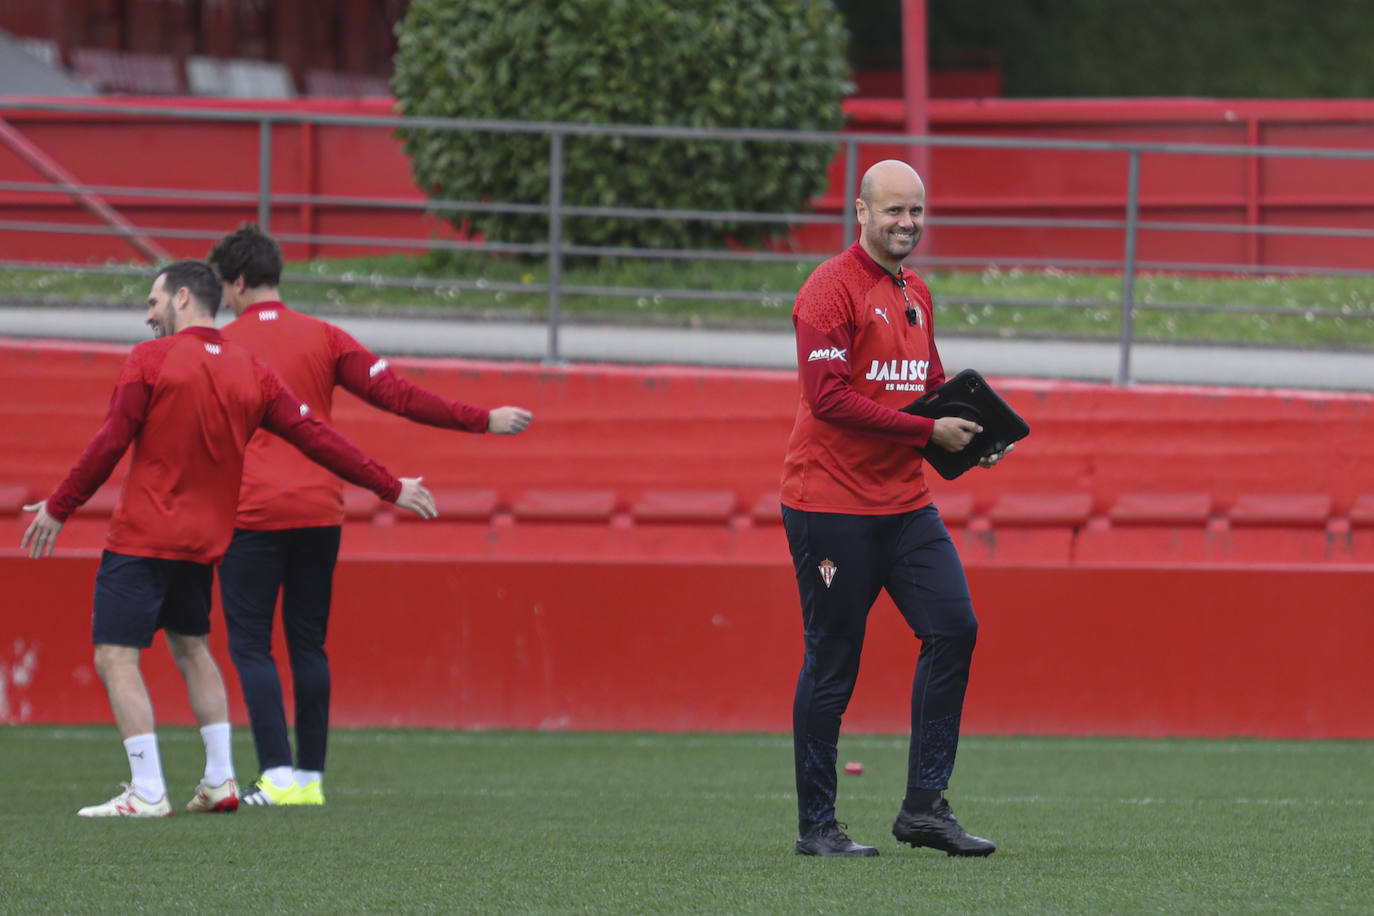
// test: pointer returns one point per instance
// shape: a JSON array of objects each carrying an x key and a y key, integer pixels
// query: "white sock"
[
  {"x": 308, "y": 776},
  {"x": 145, "y": 766},
  {"x": 219, "y": 759},
  {"x": 280, "y": 776}
]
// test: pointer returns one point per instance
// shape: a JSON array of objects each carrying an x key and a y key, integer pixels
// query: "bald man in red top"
[
  {"x": 859, "y": 518},
  {"x": 290, "y": 512},
  {"x": 188, "y": 402}
]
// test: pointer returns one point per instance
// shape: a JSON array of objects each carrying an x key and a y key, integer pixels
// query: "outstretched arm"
[
  {"x": 290, "y": 418},
  {"x": 371, "y": 378}
]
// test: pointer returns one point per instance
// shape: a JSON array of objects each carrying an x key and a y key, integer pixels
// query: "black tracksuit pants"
[
  {"x": 842, "y": 562},
  {"x": 298, "y": 563}
]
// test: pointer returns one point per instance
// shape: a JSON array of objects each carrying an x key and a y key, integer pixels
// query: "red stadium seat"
[
  {"x": 956, "y": 509},
  {"x": 1280, "y": 528},
  {"x": 126, "y": 72},
  {"x": 767, "y": 509},
  {"x": 1171, "y": 509},
  {"x": 1362, "y": 511},
  {"x": 13, "y": 497},
  {"x": 698, "y": 506},
  {"x": 680, "y": 523},
  {"x": 558, "y": 522},
  {"x": 1146, "y": 527},
  {"x": 1041, "y": 509},
  {"x": 360, "y": 505},
  {"x": 1357, "y": 545},
  {"x": 565, "y": 506},
  {"x": 1034, "y": 528},
  {"x": 1286, "y": 510}
]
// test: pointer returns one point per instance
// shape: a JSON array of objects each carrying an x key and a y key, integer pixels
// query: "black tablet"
[{"x": 969, "y": 396}]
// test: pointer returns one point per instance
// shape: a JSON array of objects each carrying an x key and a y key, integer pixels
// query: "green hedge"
[{"x": 710, "y": 63}]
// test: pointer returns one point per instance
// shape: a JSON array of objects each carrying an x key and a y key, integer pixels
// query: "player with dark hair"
[
  {"x": 290, "y": 512},
  {"x": 859, "y": 518},
  {"x": 188, "y": 402}
]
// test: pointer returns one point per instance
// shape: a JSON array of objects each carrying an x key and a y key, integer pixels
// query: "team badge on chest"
[{"x": 827, "y": 569}]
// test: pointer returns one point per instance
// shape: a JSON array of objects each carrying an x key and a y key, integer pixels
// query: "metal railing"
[{"x": 557, "y": 210}]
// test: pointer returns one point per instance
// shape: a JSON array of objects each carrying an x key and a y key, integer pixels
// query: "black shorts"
[{"x": 137, "y": 596}]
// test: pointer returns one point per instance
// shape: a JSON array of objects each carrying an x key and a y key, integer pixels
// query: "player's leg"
[
  {"x": 185, "y": 620},
  {"x": 838, "y": 580},
  {"x": 931, "y": 591},
  {"x": 249, "y": 578},
  {"x": 204, "y": 682},
  {"x": 128, "y": 595},
  {"x": 118, "y": 667},
  {"x": 307, "y": 590}
]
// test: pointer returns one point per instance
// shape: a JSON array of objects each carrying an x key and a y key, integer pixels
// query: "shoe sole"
[
  {"x": 284, "y": 804},
  {"x": 961, "y": 853},
  {"x": 223, "y": 806},
  {"x": 868, "y": 853}
]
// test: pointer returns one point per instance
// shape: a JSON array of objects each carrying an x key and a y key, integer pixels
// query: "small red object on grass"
[{"x": 854, "y": 768}]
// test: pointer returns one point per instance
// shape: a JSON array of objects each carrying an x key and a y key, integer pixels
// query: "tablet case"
[{"x": 969, "y": 396}]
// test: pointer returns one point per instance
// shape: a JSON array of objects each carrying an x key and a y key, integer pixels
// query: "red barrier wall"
[
  {"x": 348, "y": 161},
  {"x": 1152, "y": 560},
  {"x": 705, "y": 647},
  {"x": 628, "y": 432}
]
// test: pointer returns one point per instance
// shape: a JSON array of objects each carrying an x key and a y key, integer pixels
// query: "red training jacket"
[
  {"x": 281, "y": 487},
  {"x": 188, "y": 403},
  {"x": 860, "y": 359}
]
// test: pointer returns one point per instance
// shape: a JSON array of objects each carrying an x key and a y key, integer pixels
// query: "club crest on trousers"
[{"x": 827, "y": 569}]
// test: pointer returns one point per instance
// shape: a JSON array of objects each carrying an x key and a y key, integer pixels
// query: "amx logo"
[
  {"x": 213, "y": 349},
  {"x": 376, "y": 368},
  {"x": 267, "y": 315},
  {"x": 826, "y": 353}
]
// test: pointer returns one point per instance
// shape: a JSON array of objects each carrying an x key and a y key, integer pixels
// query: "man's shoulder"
[
  {"x": 278, "y": 332},
  {"x": 146, "y": 358},
  {"x": 232, "y": 360},
  {"x": 274, "y": 316},
  {"x": 845, "y": 271},
  {"x": 154, "y": 347},
  {"x": 179, "y": 360},
  {"x": 833, "y": 291}
]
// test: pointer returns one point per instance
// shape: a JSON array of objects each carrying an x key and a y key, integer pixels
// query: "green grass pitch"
[{"x": 500, "y": 822}]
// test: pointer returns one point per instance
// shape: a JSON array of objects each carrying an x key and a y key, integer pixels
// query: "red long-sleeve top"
[
  {"x": 189, "y": 403},
  {"x": 281, "y": 489},
  {"x": 860, "y": 359}
]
